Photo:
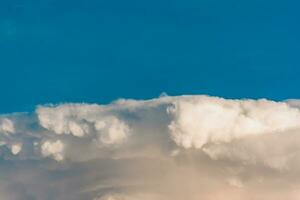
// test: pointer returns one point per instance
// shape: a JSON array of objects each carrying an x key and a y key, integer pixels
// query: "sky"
[
  {"x": 55, "y": 51},
  {"x": 149, "y": 99}
]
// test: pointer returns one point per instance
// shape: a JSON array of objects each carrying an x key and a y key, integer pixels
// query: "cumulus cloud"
[
  {"x": 54, "y": 149},
  {"x": 184, "y": 147},
  {"x": 6, "y": 125},
  {"x": 198, "y": 121},
  {"x": 16, "y": 148},
  {"x": 67, "y": 119},
  {"x": 82, "y": 120}
]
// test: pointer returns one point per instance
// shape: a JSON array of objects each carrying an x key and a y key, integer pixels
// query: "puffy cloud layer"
[
  {"x": 184, "y": 147},
  {"x": 82, "y": 120}
]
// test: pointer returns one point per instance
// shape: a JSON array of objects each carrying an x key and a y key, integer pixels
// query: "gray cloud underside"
[{"x": 184, "y": 147}]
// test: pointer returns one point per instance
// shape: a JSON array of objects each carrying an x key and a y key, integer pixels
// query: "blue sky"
[{"x": 55, "y": 51}]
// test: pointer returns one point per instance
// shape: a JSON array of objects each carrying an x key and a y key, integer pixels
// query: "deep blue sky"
[{"x": 55, "y": 51}]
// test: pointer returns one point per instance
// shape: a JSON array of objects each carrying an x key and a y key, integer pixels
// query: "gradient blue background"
[{"x": 55, "y": 51}]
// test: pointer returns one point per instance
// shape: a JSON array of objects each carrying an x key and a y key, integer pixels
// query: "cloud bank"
[{"x": 182, "y": 147}]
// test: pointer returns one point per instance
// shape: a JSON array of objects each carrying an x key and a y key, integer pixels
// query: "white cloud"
[
  {"x": 111, "y": 130},
  {"x": 67, "y": 119},
  {"x": 53, "y": 148},
  {"x": 16, "y": 148},
  {"x": 81, "y": 120},
  {"x": 184, "y": 147},
  {"x": 199, "y": 121},
  {"x": 6, "y": 126}
]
